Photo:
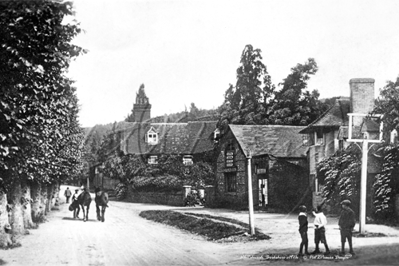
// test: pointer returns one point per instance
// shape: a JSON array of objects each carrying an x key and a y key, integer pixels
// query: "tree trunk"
[
  {"x": 49, "y": 202},
  {"x": 37, "y": 207},
  {"x": 5, "y": 227},
  {"x": 15, "y": 199},
  {"x": 43, "y": 198},
  {"x": 27, "y": 206},
  {"x": 57, "y": 194}
]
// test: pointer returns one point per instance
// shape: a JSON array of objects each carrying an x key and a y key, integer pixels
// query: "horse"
[
  {"x": 83, "y": 200},
  {"x": 101, "y": 200}
]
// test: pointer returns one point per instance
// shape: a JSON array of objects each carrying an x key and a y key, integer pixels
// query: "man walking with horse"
[
  {"x": 101, "y": 200},
  {"x": 83, "y": 200}
]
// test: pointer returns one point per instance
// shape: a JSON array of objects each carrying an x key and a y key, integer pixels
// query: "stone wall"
[
  {"x": 162, "y": 198},
  {"x": 239, "y": 198}
]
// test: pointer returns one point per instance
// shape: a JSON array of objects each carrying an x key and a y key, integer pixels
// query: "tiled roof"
[
  {"x": 278, "y": 141},
  {"x": 173, "y": 138},
  {"x": 200, "y": 133},
  {"x": 336, "y": 116}
]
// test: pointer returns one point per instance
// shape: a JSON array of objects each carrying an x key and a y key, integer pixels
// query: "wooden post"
[
  {"x": 250, "y": 198},
  {"x": 363, "y": 188}
]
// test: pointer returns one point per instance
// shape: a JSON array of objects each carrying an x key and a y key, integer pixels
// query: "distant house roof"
[
  {"x": 278, "y": 141},
  {"x": 173, "y": 138},
  {"x": 336, "y": 116}
]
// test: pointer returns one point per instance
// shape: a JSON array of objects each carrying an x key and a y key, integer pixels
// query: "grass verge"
[{"x": 212, "y": 227}]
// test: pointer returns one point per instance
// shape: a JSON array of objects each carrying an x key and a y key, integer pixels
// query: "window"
[
  {"x": 152, "y": 137},
  {"x": 316, "y": 185},
  {"x": 229, "y": 156},
  {"x": 341, "y": 144},
  {"x": 216, "y": 135},
  {"x": 305, "y": 140},
  {"x": 230, "y": 181},
  {"x": 153, "y": 159},
  {"x": 394, "y": 136},
  {"x": 187, "y": 160},
  {"x": 319, "y": 138}
]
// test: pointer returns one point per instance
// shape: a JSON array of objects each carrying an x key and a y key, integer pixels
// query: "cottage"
[
  {"x": 141, "y": 136},
  {"x": 329, "y": 132},
  {"x": 278, "y": 155}
]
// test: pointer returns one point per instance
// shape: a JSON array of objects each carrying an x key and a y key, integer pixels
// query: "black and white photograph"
[{"x": 199, "y": 132}]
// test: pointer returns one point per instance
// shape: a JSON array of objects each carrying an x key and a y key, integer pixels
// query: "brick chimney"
[{"x": 361, "y": 97}]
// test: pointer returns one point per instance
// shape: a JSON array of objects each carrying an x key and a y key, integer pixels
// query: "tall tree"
[
  {"x": 293, "y": 104},
  {"x": 40, "y": 135},
  {"x": 255, "y": 100},
  {"x": 388, "y": 104},
  {"x": 246, "y": 101}
]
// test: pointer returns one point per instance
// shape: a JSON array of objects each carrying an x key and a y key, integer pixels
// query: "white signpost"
[
  {"x": 362, "y": 131},
  {"x": 250, "y": 199}
]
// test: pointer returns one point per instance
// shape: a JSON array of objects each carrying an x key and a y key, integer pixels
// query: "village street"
[{"x": 127, "y": 239}]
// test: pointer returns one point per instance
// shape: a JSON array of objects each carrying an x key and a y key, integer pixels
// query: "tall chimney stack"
[{"x": 361, "y": 97}]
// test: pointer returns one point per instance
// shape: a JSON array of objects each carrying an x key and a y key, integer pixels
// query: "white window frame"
[
  {"x": 188, "y": 160},
  {"x": 153, "y": 159},
  {"x": 152, "y": 137}
]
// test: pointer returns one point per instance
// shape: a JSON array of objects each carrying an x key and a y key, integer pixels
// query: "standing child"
[
  {"x": 320, "y": 222},
  {"x": 303, "y": 230},
  {"x": 346, "y": 224}
]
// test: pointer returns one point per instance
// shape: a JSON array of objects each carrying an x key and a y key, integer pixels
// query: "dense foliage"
[
  {"x": 255, "y": 100},
  {"x": 340, "y": 174},
  {"x": 168, "y": 174},
  {"x": 386, "y": 184},
  {"x": 39, "y": 132},
  {"x": 388, "y": 105}
]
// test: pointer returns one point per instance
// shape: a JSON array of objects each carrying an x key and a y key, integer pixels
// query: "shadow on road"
[{"x": 80, "y": 220}]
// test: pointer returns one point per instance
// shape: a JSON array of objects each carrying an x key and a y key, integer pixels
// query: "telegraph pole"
[
  {"x": 363, "y": 188},
  {"x": 250, "y": 198}
]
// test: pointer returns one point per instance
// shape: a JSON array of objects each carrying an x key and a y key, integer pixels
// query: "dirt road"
[
  {"x": 123, "y": 239},
  {"x": 127, "y": 239}
]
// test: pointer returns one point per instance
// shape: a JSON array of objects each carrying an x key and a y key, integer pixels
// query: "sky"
[{"x": 188, "y": 51}]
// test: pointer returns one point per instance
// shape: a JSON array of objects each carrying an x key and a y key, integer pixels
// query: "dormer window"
[
  {"x": 152, "y": 137},
  {"x": 153, "y": 159},
  {"x": 187, "y": 160}
]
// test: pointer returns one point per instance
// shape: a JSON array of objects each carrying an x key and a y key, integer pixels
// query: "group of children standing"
[{"x": 346, "y": 224}]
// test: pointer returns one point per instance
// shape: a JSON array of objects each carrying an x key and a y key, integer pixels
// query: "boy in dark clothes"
[
  {"x": 303, "y": 229},
  {"x": 346, "y": 223}
]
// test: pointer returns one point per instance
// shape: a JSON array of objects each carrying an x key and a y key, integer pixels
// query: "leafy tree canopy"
[
  {"x": 39, "y": 131},
  {"x": 255, "y": 100}
]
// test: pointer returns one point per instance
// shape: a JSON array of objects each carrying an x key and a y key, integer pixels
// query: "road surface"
[
  {"x": 123, "y": 239},
  {"x": 127, "y": 239}
]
